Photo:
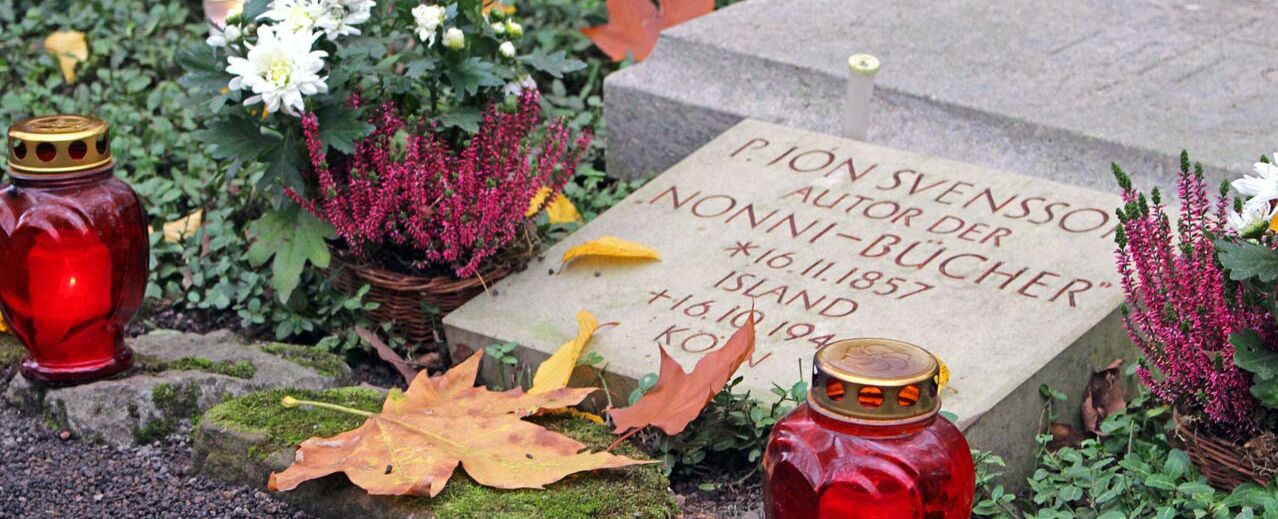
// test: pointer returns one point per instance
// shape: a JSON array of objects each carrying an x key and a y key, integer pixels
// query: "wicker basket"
[{"x": 1225, "y": 463}]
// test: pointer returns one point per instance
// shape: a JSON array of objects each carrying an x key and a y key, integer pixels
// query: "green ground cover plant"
[{"x": 1133, "y": 471}]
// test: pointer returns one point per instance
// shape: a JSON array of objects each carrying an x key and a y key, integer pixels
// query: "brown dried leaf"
[
  {"x": 1106, "y": 395},
  {"x": 1063, "y": 435},
  {"x": 387, "y": 354}
]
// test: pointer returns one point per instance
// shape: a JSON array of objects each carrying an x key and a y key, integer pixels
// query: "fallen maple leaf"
[
  {"x": 634, "y": 25},
  {"x": 678, "y": 397},
  {"x": 70, "y": 48},
  {"x": 555, "y": 371},
  {"x": 4, "y": 328},
  {"x": 610, "y": 247},
  {"x": 415, "y": 444}
]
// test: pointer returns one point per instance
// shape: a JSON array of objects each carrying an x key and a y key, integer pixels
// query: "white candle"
[{"x": 856, "y": 108}]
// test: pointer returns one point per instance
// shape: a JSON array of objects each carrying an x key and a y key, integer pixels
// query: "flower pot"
[
  {"x": 401, "y": 295},
  {"x": 1225, "y": 463}
]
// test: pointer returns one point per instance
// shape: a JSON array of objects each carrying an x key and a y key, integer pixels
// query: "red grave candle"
[
  {"x": 868, "y": 444},
  {"x": 73, "y": 250}
]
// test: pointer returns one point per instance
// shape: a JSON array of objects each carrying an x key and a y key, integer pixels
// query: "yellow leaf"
[
  {"x": 534, "y": 205},
  {"x": 561, "y": 210},
  {"x": 70, "y": 48},
  {"x": 554, "y": 372},
  {"x": 610, "y": 247},
  {"x": 184, "y": 227},
  {"x": 3, "y": 328},
  {"x": 942, "y": 375},
  {"x": 1273, "y": 223},
  {"x": 572, "y": 413}
]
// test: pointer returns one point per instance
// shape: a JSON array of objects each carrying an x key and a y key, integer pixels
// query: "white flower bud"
[
  {"x": 515, "y": 30},
  {"x": 499, "y": 28},
  {"x": 454, "y": 38},
  {"x": 507, "y": 49}
]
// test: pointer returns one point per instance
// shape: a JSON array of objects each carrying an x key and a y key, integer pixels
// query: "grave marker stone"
[{"x": 1008, "y": 279}]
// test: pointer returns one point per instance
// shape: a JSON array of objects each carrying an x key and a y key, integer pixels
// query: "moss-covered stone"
[
  {"x": 265, "y": 429},
  {"x": 321, "y": 361},
  {"x": 175, "y": 402},
  {"x": 239, "y": 369}
]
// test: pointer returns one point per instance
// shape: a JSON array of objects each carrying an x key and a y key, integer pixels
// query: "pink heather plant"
[
  {"x": 1181, "y": 308},
  {"x": 406, "y": 193}
]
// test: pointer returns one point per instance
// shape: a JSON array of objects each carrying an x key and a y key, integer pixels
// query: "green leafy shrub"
[{"x": 1131, "y": 472}]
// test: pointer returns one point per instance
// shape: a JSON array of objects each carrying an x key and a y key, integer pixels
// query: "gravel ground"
[{"x": 43, "y": 475}]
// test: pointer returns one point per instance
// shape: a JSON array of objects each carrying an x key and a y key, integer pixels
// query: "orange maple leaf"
[
  {"x": 633, "y": 25},
  {"x": 415, "y": 444},
  {"x": 679, "y": 397}
]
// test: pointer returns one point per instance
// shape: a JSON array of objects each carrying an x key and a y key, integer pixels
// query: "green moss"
[
  {"x": 153, "y": 431},
  {"x": 239, "y": 369},
  {"x": 632, "y": 492},
  {"x": 11, "y": 351},
  {"x": 262, "y": 413},
  {"x": 174, "y": 402},
  {"x": 319, "y": 360}
]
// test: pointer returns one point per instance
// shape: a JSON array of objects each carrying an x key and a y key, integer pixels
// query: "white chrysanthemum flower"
[
  {"x": 343, "y": 16},
  {"x": 506, "y": 49},
  {"x": 280, "y": 68},
  {"x": 499, "y": 28},
  {"x": 428, "y": 19},
  {"x": 517, "y": 87},
  {"x": 454, "y": 38},
  {"x": 299, "y": 15},
  {"x": 1254, "y": 218},
  {"x": 1263, "y": 185},
  {"x": 221, "y": 37}
]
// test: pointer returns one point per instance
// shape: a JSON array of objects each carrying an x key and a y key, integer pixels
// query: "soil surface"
[{"x": 43, "y": 475}]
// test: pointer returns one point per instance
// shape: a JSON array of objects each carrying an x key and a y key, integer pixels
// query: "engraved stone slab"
[{"x": 1008, "y": 279}]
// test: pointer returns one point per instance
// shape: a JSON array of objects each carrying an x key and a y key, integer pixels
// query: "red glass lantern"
[
  {"x": 868, "y": 444},
  {"x": 73, "y": 250}
]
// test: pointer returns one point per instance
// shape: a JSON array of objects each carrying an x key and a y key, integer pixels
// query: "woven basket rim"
[
  {"x": 1227, "y": 456},
  {"x": 401, "y": 282}
]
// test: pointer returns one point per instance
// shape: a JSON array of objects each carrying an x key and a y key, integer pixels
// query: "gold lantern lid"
[
  {"x": 58, "y": 144},
  {"x": 878, "y": 381}
]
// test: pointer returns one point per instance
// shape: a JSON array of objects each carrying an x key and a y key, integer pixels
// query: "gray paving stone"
[
  {"x": 1049, "y": 89},
  {"x": 165, "y": 390}
]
